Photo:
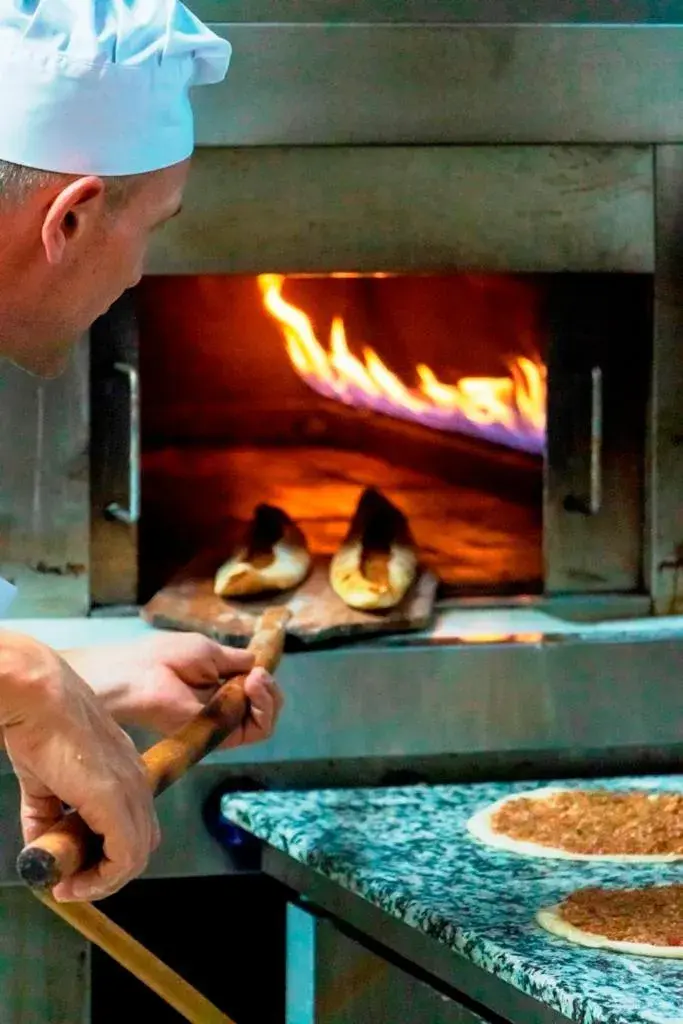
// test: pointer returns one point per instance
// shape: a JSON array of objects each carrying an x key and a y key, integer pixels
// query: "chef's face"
[{"x": 75, "y": 254}]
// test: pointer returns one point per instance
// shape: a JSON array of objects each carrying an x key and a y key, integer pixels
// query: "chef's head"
[{"x": 96, "y": 133}]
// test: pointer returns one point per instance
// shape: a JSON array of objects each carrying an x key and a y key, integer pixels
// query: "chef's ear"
[{"x": 69, "y": 214}]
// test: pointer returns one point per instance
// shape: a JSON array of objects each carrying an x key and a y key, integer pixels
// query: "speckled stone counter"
[{"x": 407, "y": 851}]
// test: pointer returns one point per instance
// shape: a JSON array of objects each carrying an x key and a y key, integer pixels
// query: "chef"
[{"x": 96, "y": 136}]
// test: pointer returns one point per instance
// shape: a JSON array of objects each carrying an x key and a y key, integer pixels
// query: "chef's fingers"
[
  {"x": 40, "y": 809},
  {"x": 198, "y": 660},
  {"x": 259, "y": 682},
  {"x": 278, "y": 695},
  {"x": 231, "y": 661},
  {"x": 209, "y": 663},
  {"x": 125, "y": 817},
  {"x": 266, "y": 700}
]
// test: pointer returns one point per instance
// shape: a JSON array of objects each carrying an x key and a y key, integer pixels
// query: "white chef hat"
[{"x": 102, "y": 86}]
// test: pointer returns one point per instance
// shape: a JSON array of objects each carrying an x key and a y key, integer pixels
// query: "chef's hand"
[
  {"x": 162, "y": 681},
  {"x": 66, "y": 749}
]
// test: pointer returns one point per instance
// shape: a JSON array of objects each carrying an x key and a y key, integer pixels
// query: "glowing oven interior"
[{"x": 301, "y": 390}]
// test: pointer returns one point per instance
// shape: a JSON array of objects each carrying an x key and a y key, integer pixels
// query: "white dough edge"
[
  {"x": 289, "y": 567},
  {"x": 551, "y": 920},
  {"x": 480, "y": 827},
  {"x": 352, "y": 587}
]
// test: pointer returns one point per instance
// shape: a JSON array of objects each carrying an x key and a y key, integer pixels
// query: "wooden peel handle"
[
  {"x": 70, "y": 845},
  {"x": 128, "y": 952}
]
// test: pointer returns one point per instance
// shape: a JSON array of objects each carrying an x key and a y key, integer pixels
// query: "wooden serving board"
[{"x": 318, "y": 614}]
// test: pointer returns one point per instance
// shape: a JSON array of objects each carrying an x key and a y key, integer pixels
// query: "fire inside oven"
[{"x": 300, "y": 391}]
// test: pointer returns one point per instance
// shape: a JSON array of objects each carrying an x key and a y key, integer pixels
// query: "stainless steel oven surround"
[
  {"x": 540, "y": 143},
  {"x": 444, "y": 148},
  {"x": 531, "y": 141},
  {"x": 428, "y": 208},
  {"x": 535, "y": 138}
]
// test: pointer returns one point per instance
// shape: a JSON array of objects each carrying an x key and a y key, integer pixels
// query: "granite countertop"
[{"x": 406, "y": 850}]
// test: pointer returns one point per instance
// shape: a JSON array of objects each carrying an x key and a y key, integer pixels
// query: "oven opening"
[{"x": 302, "y": 390}]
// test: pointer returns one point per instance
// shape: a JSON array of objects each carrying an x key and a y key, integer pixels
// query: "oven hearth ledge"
[{"x": 473, "y": 625}]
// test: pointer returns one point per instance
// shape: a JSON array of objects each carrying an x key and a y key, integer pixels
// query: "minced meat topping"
[
  {"x": 651, "y": 915},
  {"x": 596, "y": 821}
]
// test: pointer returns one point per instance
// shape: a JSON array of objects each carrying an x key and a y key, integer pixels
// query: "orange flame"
[{"x": 508, "y": 410}]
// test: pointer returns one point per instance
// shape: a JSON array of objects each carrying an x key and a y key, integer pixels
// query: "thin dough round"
[
  {"x": 551, "y": 920},
  {"x": 479, "y": 826}
]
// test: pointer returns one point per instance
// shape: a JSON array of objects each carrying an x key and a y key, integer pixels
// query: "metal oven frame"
[
  {"x": 459, "y": 161},
  {"x": 443, "y": 149},
  {"x": 549, "y": 145}
]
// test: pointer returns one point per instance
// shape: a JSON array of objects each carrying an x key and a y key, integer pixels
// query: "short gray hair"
[{"x": 17, "y": 181}]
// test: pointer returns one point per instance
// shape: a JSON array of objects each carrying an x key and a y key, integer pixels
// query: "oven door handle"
[
  {"x": 130, "y": 515},
  {"x": 588, "y": 500},
  {"x": 595, "y": 461}
]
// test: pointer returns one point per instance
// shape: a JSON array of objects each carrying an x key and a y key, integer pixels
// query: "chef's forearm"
[
  {"x": 80, "y": 657},
  {"x": 26, "y": 671},
  {"x": 91, "y": 664}
]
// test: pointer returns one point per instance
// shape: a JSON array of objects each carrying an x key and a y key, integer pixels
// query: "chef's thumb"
[{"x": 39, "y": 811}]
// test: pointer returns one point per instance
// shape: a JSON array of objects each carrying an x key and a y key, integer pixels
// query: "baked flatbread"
[
  {"x": 643, "y": 922},
  {"x": 377, "y": 561},
  {"x": 272, "y": 556},
  {"x": 637, "y": 826}
]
